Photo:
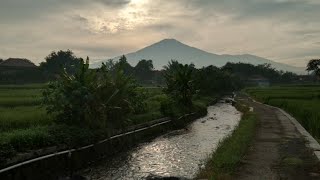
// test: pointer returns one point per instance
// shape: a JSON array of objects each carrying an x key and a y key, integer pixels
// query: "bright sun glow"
[
  {"x": 138, "y": 1},
  {"x": 129, "y": 17}
]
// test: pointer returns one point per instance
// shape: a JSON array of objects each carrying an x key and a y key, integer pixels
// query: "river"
[{"x": 179, "y": 153}]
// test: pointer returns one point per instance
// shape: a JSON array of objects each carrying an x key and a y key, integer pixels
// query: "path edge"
[{"x": 311, "y": 142}]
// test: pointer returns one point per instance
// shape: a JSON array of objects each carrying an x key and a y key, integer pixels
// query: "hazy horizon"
[{"x": 285, "y": 31}]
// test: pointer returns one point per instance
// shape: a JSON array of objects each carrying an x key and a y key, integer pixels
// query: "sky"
[{"x": 286, "y": 31}]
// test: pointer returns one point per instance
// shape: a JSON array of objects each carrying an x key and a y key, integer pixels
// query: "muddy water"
[{"x": 176, "y": 154}]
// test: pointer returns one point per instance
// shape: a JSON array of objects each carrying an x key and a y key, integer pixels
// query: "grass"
[
  {"x": 153, "y": 102},
  {"x": 301, "y": 102},
  {"x": 231, "y": 150},
  {"x": 23, "y": 117}
]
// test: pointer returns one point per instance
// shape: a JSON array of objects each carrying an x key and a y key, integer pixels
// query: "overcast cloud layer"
[{"x": 286, "y": 31}]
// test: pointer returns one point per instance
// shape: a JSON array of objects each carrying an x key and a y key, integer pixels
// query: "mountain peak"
[
  {"x": 169, "y": 41},
  {"x": 163, "y": 51}
]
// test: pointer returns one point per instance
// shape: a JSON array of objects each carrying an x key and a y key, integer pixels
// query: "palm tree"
[{"x": 180, "y": 84}]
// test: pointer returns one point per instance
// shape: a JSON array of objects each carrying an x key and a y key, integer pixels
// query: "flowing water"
[{"x": 179, "y": 153}]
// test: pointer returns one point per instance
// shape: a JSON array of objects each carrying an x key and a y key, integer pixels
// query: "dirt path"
[{"x": 278, "y": 150}]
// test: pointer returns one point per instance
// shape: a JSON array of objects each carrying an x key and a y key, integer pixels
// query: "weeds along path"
[{"x": 278, "y": 150}]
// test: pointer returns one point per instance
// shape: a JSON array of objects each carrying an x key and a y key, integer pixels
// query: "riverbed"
[{"x": 180, "y": 153}]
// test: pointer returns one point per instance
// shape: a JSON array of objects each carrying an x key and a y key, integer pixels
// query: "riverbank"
[
  {"x": 177, "y": 154},
  {"x": 277, "y": 150},
  {"x": 74, "y": 157},
  {"x": 229, "y": 153},
  {"x": 72, "y": 160}
]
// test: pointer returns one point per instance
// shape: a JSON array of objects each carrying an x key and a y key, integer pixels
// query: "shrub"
[
  {"x": 167, "y": 107},
  {"x": 71, "y": 136},
  {"x": 95, "y": 98}
]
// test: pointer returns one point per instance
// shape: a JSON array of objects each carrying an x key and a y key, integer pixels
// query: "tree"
[
  {"x": 314, "y": 66},
  {"x": 124, "y": 65},
  {"x": 246, "y": 71},
  {"x": 212, "y": 80},
  {"x": 95, "y": 98},
  {"x": 56, "y": 62},
  {"x": 180, "y": 83},
  {"x": 143, "y": 71}
]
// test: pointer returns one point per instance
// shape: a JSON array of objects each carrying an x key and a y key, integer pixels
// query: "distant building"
[
  {"x": 258, "y": 81},
  {"x": 17, "y": 62}
]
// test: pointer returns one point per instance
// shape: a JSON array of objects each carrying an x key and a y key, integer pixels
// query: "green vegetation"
[
  {"x": 21, "y": 117},
  {"x": 232, "y": 149},
  {"x": 83, "y": 105},
  {"x": 302, "y": 102},
  {"x": 27, "y": 126},
  {"x": 313, "y": 66},
  {"x": 248, "y": 71},
  {"x": 180, "y": 83}
]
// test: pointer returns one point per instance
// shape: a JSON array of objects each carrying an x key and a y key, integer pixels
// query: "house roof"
[{"x": 17, "y": 62}]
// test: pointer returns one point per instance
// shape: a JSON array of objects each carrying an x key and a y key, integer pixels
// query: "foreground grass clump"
[
  {"x": 26, "y": 139},
  {"x": 33, "y": 138},
  {"x": 232, "y": 149},
  {"x": 301, "y": 102}
]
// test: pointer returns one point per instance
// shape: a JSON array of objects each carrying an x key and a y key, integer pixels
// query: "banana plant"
[{"x": 97, "y": 98}]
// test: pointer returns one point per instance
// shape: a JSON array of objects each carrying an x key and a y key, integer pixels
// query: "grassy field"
[
  {"x": 20, "y": 107},
  {"x": 301, "y": 102},
  {"x": 25, "y": 125}
]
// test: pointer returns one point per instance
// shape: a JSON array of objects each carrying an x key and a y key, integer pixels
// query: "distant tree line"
[
  {"x": 144, "y": 73},
  {"x": 247, "y": 71}
]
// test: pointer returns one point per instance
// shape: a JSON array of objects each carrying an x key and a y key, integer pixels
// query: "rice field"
[
  {"x": 301, "y": 102},
  {"x": 25, "y": 125},
  {"x": 20, "y": 108}
]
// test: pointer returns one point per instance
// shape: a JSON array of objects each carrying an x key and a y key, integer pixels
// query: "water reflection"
[{"x": 179, "y": 153}]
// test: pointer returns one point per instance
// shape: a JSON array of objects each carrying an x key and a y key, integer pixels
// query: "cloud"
[
  {"x": 114, "y": 3},
  {"x": 282, "y": 30}
]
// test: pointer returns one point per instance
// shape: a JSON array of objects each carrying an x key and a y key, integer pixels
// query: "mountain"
[
  {"x": 167, "y": 49},
  {"x": 17, "y": 62}
]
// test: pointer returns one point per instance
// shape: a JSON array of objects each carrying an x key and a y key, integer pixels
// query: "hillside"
[{"x": 167, "y": 49}]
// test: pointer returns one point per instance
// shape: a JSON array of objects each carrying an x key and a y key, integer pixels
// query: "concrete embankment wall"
[{"x": 64, "y": 163}]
